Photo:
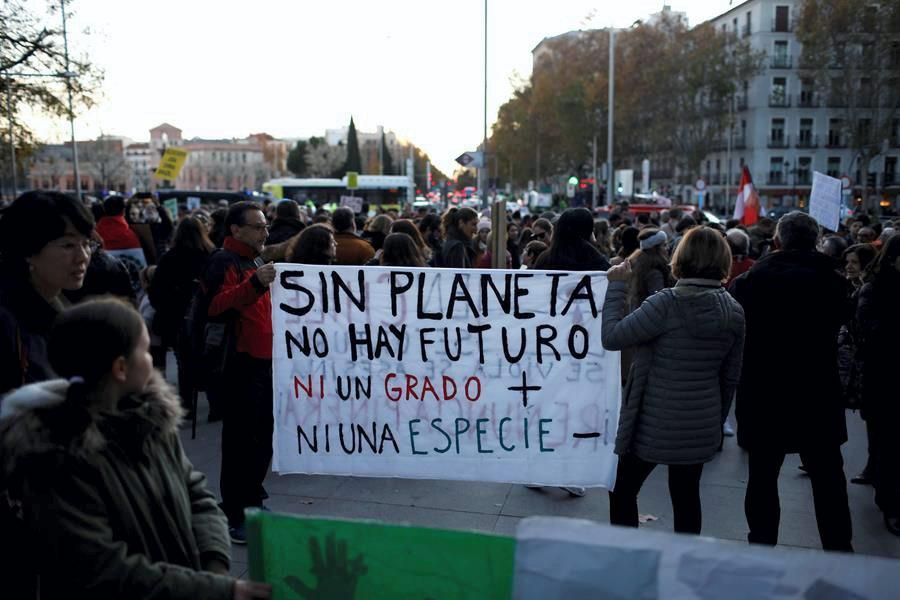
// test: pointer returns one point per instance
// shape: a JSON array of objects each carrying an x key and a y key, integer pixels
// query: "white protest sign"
[
  {"x": 427, "y": 373},
  {"x": 353, "y": 203},
  {"x": 825, "y": 200}
]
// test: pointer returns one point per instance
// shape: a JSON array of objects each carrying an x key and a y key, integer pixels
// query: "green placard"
[
  {"x": 171, "y": 205},
  {"x": 303, "y": 557},
  {"x": 352, "y": 180}
]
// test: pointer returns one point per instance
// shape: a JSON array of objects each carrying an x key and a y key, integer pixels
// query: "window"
[
  {"x": 747, "y": 23},
  {"x": 777, "y": 131},
  {"x": 779, "y": 92},
  {"x": 805, "y": 138},
  {"x": 735, "y": 23},
  {"x": 895, "y": 133},
  {"x": 890, "y": 170},
  {"x": 782, "y": 19},
  {"x": 804, "y": 171},
  {"x": 863, "y": 129},
  {"x": 776, "y": 170},
  {"x": 834, "y": 166},
  {"x": 780, "y": 56},
  {"x": 835, "y": 137},
  {"x": 895, "y": 55},
  {"x": 807, "y": 93}
]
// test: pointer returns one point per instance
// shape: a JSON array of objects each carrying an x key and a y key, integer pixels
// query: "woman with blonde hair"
[
  {"x": 376, "y": 230},
  {"x": 688, "y": 344}
]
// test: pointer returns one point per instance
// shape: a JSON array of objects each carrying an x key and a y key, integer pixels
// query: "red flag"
[{"x": 746, "y": 206}]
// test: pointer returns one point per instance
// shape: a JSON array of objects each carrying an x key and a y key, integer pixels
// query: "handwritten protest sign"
[
  {"x": 304, "y": 557},
  {"x": 353, "y": 203},
  {"x": 170, "y": 164},
  {"x": 825, "y": 200},
  {"x": 428, "y": 373}
]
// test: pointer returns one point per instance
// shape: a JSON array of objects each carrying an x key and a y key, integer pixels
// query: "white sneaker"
[
  {"x": 727, "y": 429},
  {"x": 575, "y": 491}
]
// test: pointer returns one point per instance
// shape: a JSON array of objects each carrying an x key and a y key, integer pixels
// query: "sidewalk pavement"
[{"x": 493, "y": 507}]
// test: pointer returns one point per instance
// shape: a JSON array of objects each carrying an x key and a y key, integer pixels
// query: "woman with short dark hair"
[
  {"x": 688, "y": 345},
  {"x": 46, "y": 241}
]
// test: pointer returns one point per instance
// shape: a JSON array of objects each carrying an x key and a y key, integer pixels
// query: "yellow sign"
[
  {"x": 352, "y": 180},
  {"x": 170, "y": 164}
]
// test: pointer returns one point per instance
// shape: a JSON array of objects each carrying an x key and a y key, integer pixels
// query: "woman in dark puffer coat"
[{"x": 689, "y": 341}]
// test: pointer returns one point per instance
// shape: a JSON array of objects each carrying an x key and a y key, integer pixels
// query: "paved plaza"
[{"x": 498, "y": 508}]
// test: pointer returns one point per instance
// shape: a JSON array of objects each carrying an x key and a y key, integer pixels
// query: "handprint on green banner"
[{"x": 336, "y": 575}]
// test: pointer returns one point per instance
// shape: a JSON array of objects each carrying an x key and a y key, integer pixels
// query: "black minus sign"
[{"x": 584, "y": 436}]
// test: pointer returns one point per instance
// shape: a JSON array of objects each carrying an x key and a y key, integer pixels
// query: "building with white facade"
[{"x": 783, "y": 129}]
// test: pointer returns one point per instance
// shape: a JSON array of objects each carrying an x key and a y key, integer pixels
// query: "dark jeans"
[
  {"x": 825, "y": 467},
  {"x": 684, "y": 488},
  {"x": 247, "y": 426}
]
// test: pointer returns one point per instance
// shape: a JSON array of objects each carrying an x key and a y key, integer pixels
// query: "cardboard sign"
[
  {"x": 825, "y": 200},
  {"x": 428, "y": 373},
  {"x": 318, "y": 558},
  {"x": 171, "y": 205},
  {"x": 353, "y": 203},
  {"x": 170, "y": 164}
]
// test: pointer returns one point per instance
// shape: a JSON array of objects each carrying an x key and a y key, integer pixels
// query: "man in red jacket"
[{"x": 238, "y": 283}]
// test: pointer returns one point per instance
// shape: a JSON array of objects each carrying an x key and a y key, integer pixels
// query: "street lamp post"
[
  {"x": 62, "y": 5},
  {"x": 611, "y": 170}
]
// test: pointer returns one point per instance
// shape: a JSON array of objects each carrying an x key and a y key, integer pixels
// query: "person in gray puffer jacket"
[{"x": 688, "y": 343}]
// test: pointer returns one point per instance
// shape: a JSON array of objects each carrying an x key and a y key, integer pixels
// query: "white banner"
[{"x": 483, "y": 375}]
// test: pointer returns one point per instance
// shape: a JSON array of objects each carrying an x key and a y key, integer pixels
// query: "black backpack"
[{"x": 212, "y": 339}]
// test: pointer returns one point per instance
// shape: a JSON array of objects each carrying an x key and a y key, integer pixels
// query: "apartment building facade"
[{"x": 783, "y": 128}]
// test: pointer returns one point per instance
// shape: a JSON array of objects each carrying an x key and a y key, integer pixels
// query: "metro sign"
[{"x": 471, "y": 159}]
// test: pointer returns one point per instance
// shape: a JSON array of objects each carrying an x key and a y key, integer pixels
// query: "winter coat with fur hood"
[{"x": 109, "y": 504}]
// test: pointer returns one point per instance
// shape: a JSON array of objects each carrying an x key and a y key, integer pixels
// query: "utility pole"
[
  {"x": 611, "y": 169},
  {"x": 62, "y": 5}
]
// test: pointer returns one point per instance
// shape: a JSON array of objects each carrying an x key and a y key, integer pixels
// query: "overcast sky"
[{"x": 293, "y": 68}]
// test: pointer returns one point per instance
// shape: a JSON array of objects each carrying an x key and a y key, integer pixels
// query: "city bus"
[{"x": 384, "y": 191}]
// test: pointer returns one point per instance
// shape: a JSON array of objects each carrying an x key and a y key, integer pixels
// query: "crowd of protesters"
[{"x": 791, "y": 326}]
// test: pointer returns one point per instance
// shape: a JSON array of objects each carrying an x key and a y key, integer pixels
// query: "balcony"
[
  {"x": 781, "y": 62},
  {"x": 890, "y": 178},
  {"x": 803, "y": 178},
  {"x": 782, "y": 26},
  {"x": 779, "y": 141},
  {"x": 808, "y": 100},
  {"x": 895, "y": 141},
  {"x": 739, "y": 142},
  {"x": 745, "y": 30},
  {"x": 740, "y": 102},
  {"x": 779, "y": 100},
  {"x": 835, "y": 141},
  {"x": 807, "y": 139},
  {"x": 836, "y": 101},
  {"x": 775, "y": 178}
]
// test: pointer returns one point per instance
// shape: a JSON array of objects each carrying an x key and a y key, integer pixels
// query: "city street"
[{"x": 499, "y": 507}]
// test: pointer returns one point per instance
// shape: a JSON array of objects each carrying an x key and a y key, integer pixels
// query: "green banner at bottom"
[{"x": 305, "y": 558}]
